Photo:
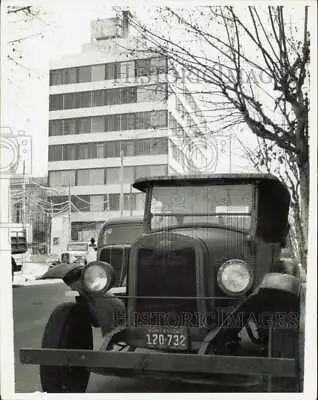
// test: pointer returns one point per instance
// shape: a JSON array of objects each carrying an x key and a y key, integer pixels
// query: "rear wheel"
[{"x": 67, "y": 328}]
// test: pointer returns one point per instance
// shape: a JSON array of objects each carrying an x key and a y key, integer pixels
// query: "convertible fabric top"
[{"x": 181, "y": 180}]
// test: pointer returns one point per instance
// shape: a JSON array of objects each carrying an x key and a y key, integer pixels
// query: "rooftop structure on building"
[{"x": 114, "y": 117}]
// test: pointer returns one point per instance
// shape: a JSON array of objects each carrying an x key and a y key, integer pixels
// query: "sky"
[
  {"x": 65, "y": 26},
  {"x": 64, "y": 33}
]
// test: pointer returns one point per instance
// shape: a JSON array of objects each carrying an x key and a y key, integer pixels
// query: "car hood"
[
  {"x": 76, "y": 253},
  {"x": 222, "y": 243}
]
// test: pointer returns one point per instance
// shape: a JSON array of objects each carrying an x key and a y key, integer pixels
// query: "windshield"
[
  {"x": 77, "y": 247},
  {"x": 122, "y": 234},
  {"x": 224, "y": 205}
]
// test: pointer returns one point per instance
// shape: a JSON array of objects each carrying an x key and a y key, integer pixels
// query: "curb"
[{"x": 39, "y": 282}]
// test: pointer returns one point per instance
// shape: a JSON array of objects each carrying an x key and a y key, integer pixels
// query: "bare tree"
[
  {"x": 269, "y": 158},
  {"x": 25, "y": 16},
  {"x": 253, "y": 70}
]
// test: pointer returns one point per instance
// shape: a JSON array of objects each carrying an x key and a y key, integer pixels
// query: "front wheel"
[{"x": 67, "y": 328}]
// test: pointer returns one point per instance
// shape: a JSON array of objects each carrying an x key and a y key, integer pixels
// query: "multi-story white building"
[{"x": 113, "y": 118}]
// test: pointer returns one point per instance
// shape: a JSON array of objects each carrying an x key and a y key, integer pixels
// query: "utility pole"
[
  {"x": 23, "y": 197},
  {"x": 69, "y": 213},
  {"x": 51, "y": 236},
  {"x": 121, "y": 179},
  {"x": 130, "y": 200}
]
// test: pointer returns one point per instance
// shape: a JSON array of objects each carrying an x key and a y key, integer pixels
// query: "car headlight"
[
  {"x": 98, "y": 276},
  {"x": 235, "y": 277}
]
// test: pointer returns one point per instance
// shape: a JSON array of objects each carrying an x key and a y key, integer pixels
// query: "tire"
[{"x": 68, "y": 327}]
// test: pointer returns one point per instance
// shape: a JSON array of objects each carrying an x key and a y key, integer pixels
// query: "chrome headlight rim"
[
  {"x": 109, "y": 273},
  {"x": 221, "y": 270}
]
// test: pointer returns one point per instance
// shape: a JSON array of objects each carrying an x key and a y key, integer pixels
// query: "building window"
[
  {"x": 112, "y": 149},
  {"x": 69, "y": 75},
  {"x": 69, "y": 152},
  {"x": 127, "y": 70},
  {"x": 142, "y": 67},
  {"x": 112, "y": 123},
  {"x": 56, "y": 127},
  {"x": 160, "y": 92},
  {"x": 81, "y": 203},
  {"x": 84, "y": 74},
  {"x": 129, "y": 201},
  {"x": 69, "y": 126},
  {"x": 129, "y": 95},
  {"x": 127, "y": 122},
  {"x": 159, "y": 119},
  {"x": 143, "y": 146},
  {"x": 98, "y": 72},
  {"x": 90, "y": 177},
  {"x": 70, "y": 101},
  {"x": 112, "y": 96},
  {"x": 98, "y": 98},
  {"x": 58, "y": 200},
  {"x": 128, "y": 148},
  {"x": 158, "y": 65},
  {"x": 131, "y": 121},
  {"x": 112, "y": 176},
  {"x": 98, "y": 150},
  {"x": 84, "y": 125},
  {"x": 114, "y": 202},
  {"x": 83, "y": 151},
  {"x": 56, "y": 152},
  {"x": 84, "y": 99},
  {"x": 151, "y": 146},
  {"x": 129, "y": 174},
  {"x": 97, "y": 203},
  {"x": 159, "y": 146},
  {"x": 56, "y": 77},
  {"x": 144, "y": 94},
  {"x": 56, "y": 102},
  {"x": 62, "y": 178},
  {"x": 109, "y": 123},
  {"x": 112, "y": 71},
  {"x": 143, "y": 120},
  {"x": 98, "y": 124}
]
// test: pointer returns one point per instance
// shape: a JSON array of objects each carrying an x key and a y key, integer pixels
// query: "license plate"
[{"x": 167, "y": 338}]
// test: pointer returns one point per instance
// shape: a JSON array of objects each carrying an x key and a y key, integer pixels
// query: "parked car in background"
[
  {"x": 19, "y": 248},
  {"x": 76, "y": 252},
  {"x": 114, "y": 243},
  {"x": 208, "y": 297}
]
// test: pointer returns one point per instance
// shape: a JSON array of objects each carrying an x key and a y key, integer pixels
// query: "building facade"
[
  {"x": 29, "y": 210},
  {"x": 114, "y": 118}
]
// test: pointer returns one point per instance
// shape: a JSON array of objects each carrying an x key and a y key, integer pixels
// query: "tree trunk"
[{"x": 304, "y": 205}]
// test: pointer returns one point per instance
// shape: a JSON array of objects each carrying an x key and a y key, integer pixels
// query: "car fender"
[
  {"x": 109, "y": 311},
  {"x": 276, "y": 292},
  {"x": 282, "y": 282},
  {"x": 59, "y": 271}
]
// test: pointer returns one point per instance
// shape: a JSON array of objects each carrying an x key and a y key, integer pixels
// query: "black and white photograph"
[{"x": 158, "y": 180}]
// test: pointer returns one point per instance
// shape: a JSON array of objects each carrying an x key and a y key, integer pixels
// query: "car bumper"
[{"x": 135, "y": 363}]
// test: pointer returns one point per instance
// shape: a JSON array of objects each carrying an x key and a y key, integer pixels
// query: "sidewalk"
[{"x": 30, "y": 273}]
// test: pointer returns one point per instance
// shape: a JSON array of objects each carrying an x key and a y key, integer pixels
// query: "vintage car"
[
  {"x": 208, "y": 297},
  {"x": 76, "y": 252},
  {"x": 114, "y": 243}
]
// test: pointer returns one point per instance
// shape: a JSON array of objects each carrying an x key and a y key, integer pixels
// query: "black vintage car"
[{"x": 208, "y": 297}]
